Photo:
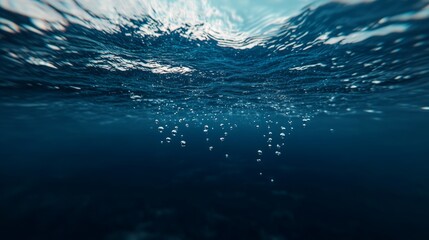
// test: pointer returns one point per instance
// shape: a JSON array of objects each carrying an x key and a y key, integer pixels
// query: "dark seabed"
[{"x": 214, "y": 120}]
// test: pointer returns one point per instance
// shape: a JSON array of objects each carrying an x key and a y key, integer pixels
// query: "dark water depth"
[{"x": 214, "y": 119}]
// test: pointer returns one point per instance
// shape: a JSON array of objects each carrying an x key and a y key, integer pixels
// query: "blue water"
[{"x": 214, "y": 119}]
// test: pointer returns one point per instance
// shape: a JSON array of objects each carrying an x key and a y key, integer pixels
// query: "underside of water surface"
[{"x": 169, "y": 119}]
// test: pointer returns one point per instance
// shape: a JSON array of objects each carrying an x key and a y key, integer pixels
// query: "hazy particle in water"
[
  {"x": 225, "y": 133},
  {"x": 260, "y": 174},
  {"x": 222, "y": 139},
  {"x": 270, "y": 133},
  {"x": 183, "y": 143},
  {"x": 282, "y": 135},
  {"x": 226, "y": 155},
  {"x": 278, "y": 153},
  {"x": 258, "y": 160},
  {"x": 207, "y": 139},
  {"x": 205, "y": 130},
  {"x": 211, "y": 148},
  {"x": 259, "y": 152},
  {"x": 173, "y": 132},
  {"x": 160, "y": 128},
  {"x": 370, "y": 111},
  {"x": 269, "y": 145},
  {"x": 426, "y": 108},
  {"x": 282, "y": 128},
  {"x": 272, "y": 180},
  {"x": 162, "y": 142},
  {"x": 269, "y": 140},
  {"x": 278, "y": 146},
  {"x": 168, "y": 139},
  {"x": 186, "y": 125}
]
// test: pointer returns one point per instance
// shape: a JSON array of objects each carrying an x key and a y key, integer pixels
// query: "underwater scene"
[{"x": 214, "y": 119}]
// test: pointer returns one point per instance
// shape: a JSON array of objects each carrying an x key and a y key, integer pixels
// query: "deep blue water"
[{"x": 214, "y": 120}]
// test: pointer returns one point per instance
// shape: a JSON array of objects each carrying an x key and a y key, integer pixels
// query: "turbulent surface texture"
[{"x": 338, "y": 56}]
